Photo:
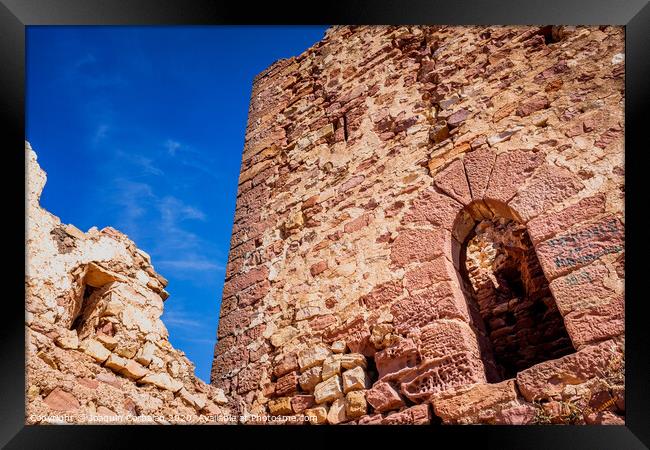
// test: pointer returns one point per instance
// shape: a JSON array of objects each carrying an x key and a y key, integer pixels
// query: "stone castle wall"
[
  {"x": 369, "y": 279},
  {"x": 96, "y": 349}
]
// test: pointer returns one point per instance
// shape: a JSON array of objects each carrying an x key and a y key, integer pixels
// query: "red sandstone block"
[
  {"x": 241, "y": 251},
  {"x": 319, "y": 323},
  {"x": 382, "y": 397},
  {"x": 595, "y": 324},
  {"x": 60, "y": 400},
  {"x": 467, "y": 404},
  {"x": 299, "y": 403},
  {"x": 510, "y": 170},
  {"x": 223, "y": 345},
  {"x": 374, "y": 419},
  {"x": 317, "y": 268},
  {"x": 228, "y": 305},
  {"x": 287, "y": 364},
  {"x": 235, "y": 321},
  {"x": 287, "y": 385},
  {"x": 548, "y": 187},
  {"x": 360, "y": 222},
  {"x": 546, "y": 225},
  {"x": 478, "y": 166},
  {"x": 532, "y": 105},
  {"x": 453, "y": 181},
  {"x": 587, "y": 243},
  {"x": 311, "y": 201},
  {"x": 440, "y": 374},
  {"x": 243, "y": 280},
  {"x": 382, "y": 294},
  {"x": 254, "y": 294},
  {"x": 548, "y": 379},
  {"x": 230, "y": 361},
  {"x": 431, "y": 207},
  {"x": 428, "y": 274},
  {"x": 397, "y": 357},
  {"x": 415, "y": 415},
  {"x": 248, "y": 379},
  {"x": 457, "y": 118},
  {"x": 351, "y": 183},
  {"x": 234, "y": 266},
  {"x": 419, "y": 246},
  {"x": 581, "y": 289},
  {"x": 442, "y": 301},
  {"x": 444, "y": 337}
]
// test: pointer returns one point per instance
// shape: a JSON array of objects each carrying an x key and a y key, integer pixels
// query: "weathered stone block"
[
  {"x": 510, "y": 171},
  {"x": 354, "y": 380},
  {"x": 478, "y": 166},
  {"x": 547, "y": 380},
  {"x": 280, "y": 406},
  {"x": 337, "y": 413},
  {"x": 95, "y": 349},
  {"x": 547, "y": 225},
  {"x": 328, "y": 390},
  {"x": 453, "y": 182},
  {"x": 312, "y": 356},
  {"x": 331, "y": 366},
  {"x": 352, "y": 360},
  {"x": 415, "y": 415},
  {"x": 287, "y": 364},
  {"x": 287, "y": 384},
  {"x": 310, "y": 378},
  {"x": 549, "y": 186},
  {"x": 465, "y": 404},
  {"x": 300, "y": 403},
  {"x": 355, "y": 404},
  {"x": 317, "y": 415},
  {"x": 428, "y": 274},
  {"x": 587, "y": 243},
  {"x": 162, "y": 381},
  {"x": 392, "y": 359},
  {"x": 383, "y": 397},
  {"x": 442, "y": 301},
  {"x": 419, "y": 246}
]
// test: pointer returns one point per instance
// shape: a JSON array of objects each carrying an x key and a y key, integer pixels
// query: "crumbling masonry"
[
  {"x": 429, "y": 229},
  {"x": 96, "y": 349}
]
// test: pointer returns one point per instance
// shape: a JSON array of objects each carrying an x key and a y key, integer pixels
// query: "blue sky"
[{"x": 142, "y": 129}]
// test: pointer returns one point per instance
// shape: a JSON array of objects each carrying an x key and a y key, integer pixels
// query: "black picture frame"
[{"x": 15, "y": 15}]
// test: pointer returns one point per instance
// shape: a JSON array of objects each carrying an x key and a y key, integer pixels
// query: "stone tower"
[{"x": 429, "y": 228}]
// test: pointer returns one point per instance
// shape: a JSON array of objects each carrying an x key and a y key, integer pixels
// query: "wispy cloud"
[
  {"x": 180, "y": 319},
  {"x": 142, "y": 162},
  {"x": 89, "y": 72},
  {"x": 172, "y": 146},
  {"x": 100, "y": 133},
  {"x": 191, "y": 264}
]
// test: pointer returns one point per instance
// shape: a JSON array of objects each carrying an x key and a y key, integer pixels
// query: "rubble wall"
[
  {"x": 96, "y": 349},
  {"x": 369, "y": 161}
]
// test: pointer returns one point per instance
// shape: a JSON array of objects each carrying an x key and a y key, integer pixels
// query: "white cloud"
[{"x": 172, "y": 146}]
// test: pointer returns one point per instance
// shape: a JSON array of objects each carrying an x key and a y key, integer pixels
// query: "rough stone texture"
[
  {"x": 96, "y": 346},
  {"x": 370, "y": 160}
]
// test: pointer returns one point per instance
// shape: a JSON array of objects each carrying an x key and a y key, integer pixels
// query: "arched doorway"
[{"x": 513, "y": 310}]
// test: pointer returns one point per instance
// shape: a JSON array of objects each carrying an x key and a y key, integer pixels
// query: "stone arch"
[
  {"x": 505, "y": 191},
  {"x": 515, "y": 186},
  {"x": 510, "y": 303}
]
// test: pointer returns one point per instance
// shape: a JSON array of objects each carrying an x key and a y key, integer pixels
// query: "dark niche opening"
[{"x": 520, "y": 323}]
